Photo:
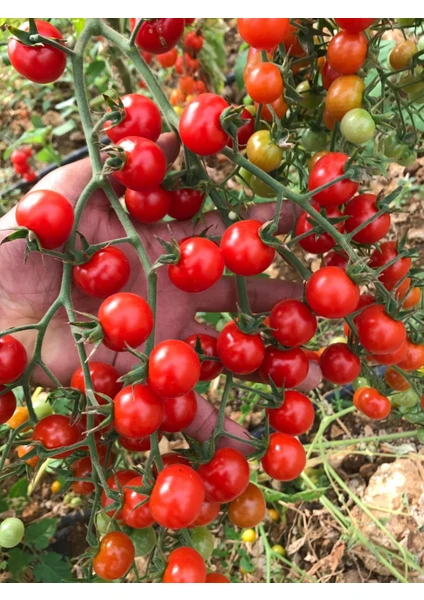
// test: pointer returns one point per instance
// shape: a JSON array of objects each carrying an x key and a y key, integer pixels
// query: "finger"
[
  {"x": 262, "y": 293},
  {"x": 205, "y": 422},
  {"x": 170, "y": 144},
  {"x": 312, "y": 379}
]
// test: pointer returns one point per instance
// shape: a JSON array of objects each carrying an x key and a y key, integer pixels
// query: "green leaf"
[
  {"x": 94, "y": 69},
  {"x": 231, "y": 533},
  {"x": 202, "y": 387},
  {"x": 305, "y": 496},
  {"x": 246, "y": 564},
  {"x": 66, "y": 127},
  {"x": 79, "y": 25},
  {"x": 35, "y": 136},
  {"x": 3, "y": 506},
  {"x": 39, "y": 534},
  {"x": 239, "y": 68},
  {"x": 37, "y": 122},
  {"x": 48, "y": 155},
  {"x": 19, "y": 489},
  {"x": 18, "y": 561},
  {"x": 52, "y": 568}
]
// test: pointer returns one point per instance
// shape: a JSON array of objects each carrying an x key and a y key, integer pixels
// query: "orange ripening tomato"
[
  {"x": 19, "y": 416},
  {"x": 264, "y": 83},
  {"x": 279, "y": 106},
  {"x": 263, "y": 34},
  {"x": 402, "y": 53},
  {"x": 344, "y": 94},
  {"x": 25, "y": 449},
  {"x": 396, "y": 381},
  {"x": 412, "y": 298},
  {"x": 371, "y": 403},
  {"x": 177, "y": 97},
  {"x": 315, "y": 158},
  {"x": 328, "y": 119},
  {"x": 186, "y": 84},
  {"x": 347, "y": 52},
  {"x": 291, "y": 42}
]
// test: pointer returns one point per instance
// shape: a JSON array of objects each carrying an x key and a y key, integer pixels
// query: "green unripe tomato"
[
  {"x": 310, "y": 98},
  {"x": 102, "y": 522},
  {"x": 358, "y": 126},
  {"x": 203, "y": 542},
  {"x": 278, "y": 548},
  {"x": 261, "y": 188},
  {"x": 406, "y": 22},
  {"x": 360, "y": 382},
  {"x": 405, "y": 399},
  {"x": 407, "y": 158},
  {"x": 313, "y": 141},
  {"x": 393, "y": 148},
  {"x": 144, "y": 540},
  {"x": 12, "y": 531},
  {"x": 42, "y": 407},
  {"x": 244, "y": 177},
  {"x": 247, "y": 100},
  {"x": 75, "y": 502}
]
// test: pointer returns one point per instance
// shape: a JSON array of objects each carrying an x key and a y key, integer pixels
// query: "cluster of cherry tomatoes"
[{"x": 21, "y": 165}]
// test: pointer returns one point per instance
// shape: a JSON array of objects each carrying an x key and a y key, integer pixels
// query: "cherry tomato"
[
  {"x": 48, "y": 214},
  {"x": 263, "y": 152},
  {"x": 392, "y": 358},
  {"x": 126, "y": 319},
  {"x": 193, "y": 41},
  {"x": 141, "y": 118},
  {"x": 414, "y": 358},
  {"x": 21, "y": 168},
  {"x": 13, "y": 360},
  {"x": 158, "y": 36},
  {"x": 249, "y": 509},
  {"x": 19, "y": 417},
  {"x": 344, "y": 94},
  {"x": 19, "y": 157},
  {"x": 402, "y": 53},
  {"x": 138, "y": 412},
  {"x": 360, "y": 209},
  {"x": 148, "y": 206},
  {"x": 199, "y": 87},
  {"x": 186, "y": 64},
  {"x": 384, "y": 254},
  {"x": 176, "y": 97},
  {"x": 347, "y": 52},
  {"x": 245, "y": 131},
  {"x": 168, "y": 59},
  {"x": 200, "y": 127},
  {"x": 174, "y": 368},
  {"x": 107, "y": 272},
  {"x": 177, "y": 496},
  {"x": 264, "y": 83},
  {"x": 209, "y": 369},
  {"x": 216, "y": 578},
  {"x": 396, "y": 380},
  {"x": 208, "y": 513},
  {"x": 171, "y": 458},
  {"x": 200, "y": 266},
  {"x": 115, "y": 556},
  {"x": 292, "y": 323},
  {"x": 377, "y": 332},
  {"x": 185, "y": 203},
  {"x": 26, "y": 449},
  {"x": 263, "y": 34},
  {"x": 339, "y": 365},
  {"x": 295, "y": 416},
  {"x": 239, "y": 352},
  {"x": 317, "y": 243},
  {"x": 371, "y": 403},
  {"x": 226, "y": 476},
  {"x": 115, "y": 483},
  {"x": 291, "y": 42},
  {"x": 56, "y": 431},
  {"x": 39, "y": 63},
  {"x": 132, "y": 445},
  {"x": 354, "y": 25},
  {"x": 286, "y": 368},
  {"x": 179, "y": 412},
  {"x": 104, "y": 378},
  {"x": 243, "y": 250},
  {"x": 203, "y": 542},
  {"x": 358, "y": 126},
  {"x": 82, "y": 468},
  {"x": 280, "y": 107},
  {"x": 334, "y": 259},
  {"x": 186, "y": 84},
  {"x": 145, "y": 164},
  {"x": 30, "y": 176},
  {"x": 12, "y": 531},
  {"x": 412, "y": 298},
  {"x": 331, "y": 293},
  {"x": 330, "y": 167},
  {"x": 285, "y": 458},
  {"x": 313, "y": 140},
  {"x": 136, "y": 516},
  {"x": 329, "y": 75},
  {"x": 185, "y": 565}
]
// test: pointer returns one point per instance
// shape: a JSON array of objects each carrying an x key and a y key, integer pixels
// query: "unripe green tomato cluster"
[{"x": 12, "y": 531}]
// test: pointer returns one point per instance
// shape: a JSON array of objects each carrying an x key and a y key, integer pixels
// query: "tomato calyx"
[
  {"x": 172, "y": 249},
  {"x": 30, "y": 37},
  {"x": 139, "y": 373},
  {"x": 116, "y": 114},
  {"x": 116, "y": 161},
  {"x": 248, "y": 324}
]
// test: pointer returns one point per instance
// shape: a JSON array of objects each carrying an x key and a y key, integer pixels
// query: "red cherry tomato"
[
  {"x": 200, "y": 127},
  {"x": 329, "y": 167},
  {"x": 292, "y": 323},
  {"x": 179, "y": 412},
  {"x": 149, "y": 206},
  {"x": 104, "y": 378},
  {"x": 171, "y": 458},
  {"x": 126, "y": 319},
  {"x": 414, "y": 358},
  {"x": 354, "y": 25},
  {"x": 243, "y": 250},
  {"x": 132, "y": 445},
  {"x": 391, "y": 358},
  {"x": 295, "y": 416},
  {"x": 82, "y": 468},
  {"x": 177, "y": 496},
  {"x": 30, "y": 176},
  {"x": 208, "y": 513},
  {"x": 226, "y": 476},
  {"x": 384, "y": 254},
  {"x": 39, "y": 63},
  {"x": 216, "y": 578},
  {"x": 285, "y": 458},
  {"x": 317, "y": 243},
  {"x": 168, "y": 59},
  {"x": 145, "y": 164},
  {"x": 379, "y": 333},
  {"x": 371, "y": 403},
  {"x": 239, "y": 352},
  {"x": 185, "y": 565},
  {"x": 336, "y": 259},
  {"x": 107, "y": 272},
  {"x": 186, "y": 84},
  {"x": 347, "y": 52},
  {"x": 249, "y": 509},
  {"x": 339, "y": 365},
  {"x": 133, "y": 515},
  {"x": 193, "y": 41},
  {"x": 264, "y": 83},
  {"x": 245, "y": 131},
  {"x": 21, "y": 168},
  {"x": 115, "y": 556},
  {"x": 174, "y": 369},
  {"x": 329, "y": 75},
  {"x": 200, "y": 265},
  {"x": 209, "y": 369},
  {"x": 141, "y": 118},
  {"x": 7, "y": 405},
  {"x": 396, "y": 380},
  {"x": 186, "y": 64},
  {"x": 116, "y": 482},
  {"x": 48, "y": 214},
  {"x": 138, "y": 412},
  {"x": 185, "y": 203},
  {"x": 331, "y": 293},
  {"x": 19, "y": 157},
  {"x": 56, "y": 431},
  {"x": 13, "y": 359},
  {"x": 263, "y": 34},
  {"x": 360, "y": 209},
  {"x": 284, "y": 367},
  {"x": 158, "y": 36}
]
